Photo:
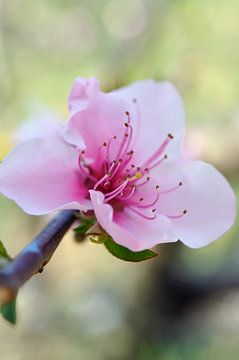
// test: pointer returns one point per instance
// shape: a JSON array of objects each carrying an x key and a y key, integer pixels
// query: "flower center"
[{"x": 120, "y": 180}]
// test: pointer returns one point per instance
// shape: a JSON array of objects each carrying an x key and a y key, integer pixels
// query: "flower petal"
[
  {"x": 160, "y": 111},
  {"x": 207, "y": 197},
  {"x": 129, "y": 229},
  {"x": 42, "y": 176},
  {"x": 42, "y": 123},
  {"x": 95, "y": 117}
]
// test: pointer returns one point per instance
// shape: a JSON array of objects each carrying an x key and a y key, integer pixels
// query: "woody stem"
[{"x": 32, "y": 259}]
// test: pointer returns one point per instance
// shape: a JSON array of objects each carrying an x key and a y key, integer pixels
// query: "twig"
[{"x": 34, "y": 256}]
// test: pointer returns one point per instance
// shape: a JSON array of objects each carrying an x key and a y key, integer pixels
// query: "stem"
[{"x": 32, "y": 259}]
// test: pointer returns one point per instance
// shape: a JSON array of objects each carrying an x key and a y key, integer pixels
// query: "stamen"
[
  {"x": 111, "y": 195},
  {"x": 126, "y": 162},
  {"x": 145, "y": 206},
  {"x": 130, "y": 194},
  {"x": 142, "y": 215},
  {"x": 128, "y": 115},
  {"x": 108, "y": 149},
  {"x": 108, "y": 174},
  {"x": 177, "y": 216},
  {"x": 116, "y": 168},
  {"x": 172, "y": 189},
  {"x": 125, "y": 141},
  {"x": 102, "y": 146},
  {"x": 144, "y": 182},
  {"x": 138, "y": 117},
  {"x": 136, "y": 176},
  {"x": 106, "y": 184},
  {"x": 159, "y": 151},
  {"x": 165, "y": 157}
]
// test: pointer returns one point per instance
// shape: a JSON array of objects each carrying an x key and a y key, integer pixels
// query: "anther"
[
  {"x": 185, "y": 212},
  {"x": 170, "y": 136},
  {"x": 138, "y": 175},
  {"x": 127, "y": 113},
  {"x": 134, "y": 100},
  {"x": 154, "y": 210},
  {"x": 126, "y": 124},
  {"x": 133, "y": 166},
  {"x": 115, "y": 137},
  {"x": 157, "y": 187},
  {"x": 104, "y": 144},
  {"x": 141, "y": 199},
  {"x": 146, "y": 169},
  {"x": 148, "y": 178},
  {"x": 165, "y": 156},
  {"x": 180, "y": 184}
]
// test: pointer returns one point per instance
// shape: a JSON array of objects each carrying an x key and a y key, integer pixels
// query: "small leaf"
[
  {"x": 8, "y": 312},
  {"x": 125, "y": 254},
  {"x": 3, "y": 251},
  {"x": 85, "y": 226}
]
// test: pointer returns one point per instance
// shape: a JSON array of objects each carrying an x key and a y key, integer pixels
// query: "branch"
[{"x": 32, "y": 259}]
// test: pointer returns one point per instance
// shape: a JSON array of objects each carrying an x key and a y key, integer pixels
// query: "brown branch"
[{"x": 34, "y": 256}]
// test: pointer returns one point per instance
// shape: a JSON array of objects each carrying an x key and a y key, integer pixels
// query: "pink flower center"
[{"x": 121, "y": 181}]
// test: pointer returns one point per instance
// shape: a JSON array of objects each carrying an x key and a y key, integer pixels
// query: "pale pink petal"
[
  {"x": 129, "y": 229},
  {"x": 205, "y": 194},
  {"x": 42, "y": 176},
  {"x": 81, "y": 92},
  {"x": 160, "y": 111},
  {"x": 42, "y": 123},
  {"x": 95, "y": 117}
]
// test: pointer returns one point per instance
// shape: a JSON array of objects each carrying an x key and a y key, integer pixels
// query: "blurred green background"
[{"x": 87, "y": 305}]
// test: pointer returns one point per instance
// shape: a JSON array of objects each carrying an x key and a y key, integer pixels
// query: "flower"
[{"x": 120, "y": 156}]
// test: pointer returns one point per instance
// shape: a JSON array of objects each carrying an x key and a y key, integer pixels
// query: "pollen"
[{"x": 138, "y": 175}]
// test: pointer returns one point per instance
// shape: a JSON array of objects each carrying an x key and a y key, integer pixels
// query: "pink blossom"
[
  {"x": 41, "y": 122},
  {"x": 120, "y": 155}
]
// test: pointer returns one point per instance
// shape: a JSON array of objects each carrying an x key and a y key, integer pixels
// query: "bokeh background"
[{"x": 88, "y": 305}]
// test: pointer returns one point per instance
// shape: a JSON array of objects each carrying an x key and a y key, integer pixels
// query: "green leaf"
[
  {"x": 3, "y": 251},
  {"x": 125, "y": 254},
  {"x": 85, "y": 226},
  {"x": 8, "y": 312}
]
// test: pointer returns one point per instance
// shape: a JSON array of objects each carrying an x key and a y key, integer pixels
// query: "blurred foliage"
[{"x": 83, "y": 306}]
